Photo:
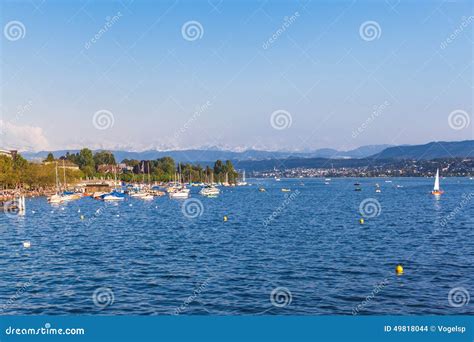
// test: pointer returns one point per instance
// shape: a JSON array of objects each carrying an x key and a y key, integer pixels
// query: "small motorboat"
[
  {"x": 209, "y": 191},
  {"x": 180, "y": 193},
  {"x": 285, "y": 190},
  {"x": 113, "y": 196}
]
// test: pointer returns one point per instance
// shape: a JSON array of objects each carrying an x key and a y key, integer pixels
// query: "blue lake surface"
[{"x": 280, "y": 253}]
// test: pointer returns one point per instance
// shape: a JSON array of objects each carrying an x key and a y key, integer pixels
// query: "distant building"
[
  {"x": 125, "y": 168},
  {"x": 9, "y": 153},
  {"x": 66, "y": 164},
  {"x": 104, "y": 168}
]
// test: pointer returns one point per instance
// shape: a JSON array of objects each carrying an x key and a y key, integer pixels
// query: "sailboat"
[
  {"x": 180, "y": 190},
  {"x": 436, "y": 190},
  {"x": 115, "y": 195},
  {"x": 243, "y": 182},
  {"x": 56, "y": 198}
]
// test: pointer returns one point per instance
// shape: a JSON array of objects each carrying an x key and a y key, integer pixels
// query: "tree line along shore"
[{"x": 39, "y": 178}]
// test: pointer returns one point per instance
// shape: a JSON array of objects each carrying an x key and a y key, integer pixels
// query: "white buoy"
[{"x": 26, "y": 244}]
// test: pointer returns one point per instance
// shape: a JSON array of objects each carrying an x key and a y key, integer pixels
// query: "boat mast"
[
  {"x": 57, "y": 178},
  {"x": 64, "y": 174}
]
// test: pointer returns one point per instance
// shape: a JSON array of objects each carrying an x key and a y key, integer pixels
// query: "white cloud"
[{"x": 22, "y": 138}]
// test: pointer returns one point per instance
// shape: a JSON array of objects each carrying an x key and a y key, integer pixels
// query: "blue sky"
[{"x": 161, "y": 89}]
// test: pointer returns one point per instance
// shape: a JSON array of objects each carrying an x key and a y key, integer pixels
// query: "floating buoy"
[
  {"x": 226, "y": 218},
  {"x": 33, "y": 212},
  {"x": 399, "y": 269},
  {"x": 79, "y": 211},
  {"x": 26, "y": 244},
  {"x": 118, "y": 215},
  {"x": 82, "y": 217},
  {"x": 361, "y": 221}
]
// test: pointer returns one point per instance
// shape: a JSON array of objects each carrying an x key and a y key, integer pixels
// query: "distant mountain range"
[
  {"x": 432, "y": 150},
  {"x": 204, "y": 155}
]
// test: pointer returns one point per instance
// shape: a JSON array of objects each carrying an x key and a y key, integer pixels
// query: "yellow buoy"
[
  {"x": 361, "y": 221},
  {"x": 226, "y": 218},
  {"x": 399, "y": 269}
]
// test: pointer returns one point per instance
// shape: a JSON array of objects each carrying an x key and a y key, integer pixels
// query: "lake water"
[{"x": 302, "y": 252}]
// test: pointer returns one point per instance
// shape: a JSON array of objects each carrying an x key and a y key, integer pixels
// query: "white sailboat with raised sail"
[
  {"x": 57, "y": 198},
  {"x": 180, "y": 192},
  {"x": 436, "y": 189},
  {"x": 243, "y": 182}
]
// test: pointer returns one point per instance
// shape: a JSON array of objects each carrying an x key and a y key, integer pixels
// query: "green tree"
[
  {"x": 104, "y": 157},
  {"x": 49, "y": 158}
]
